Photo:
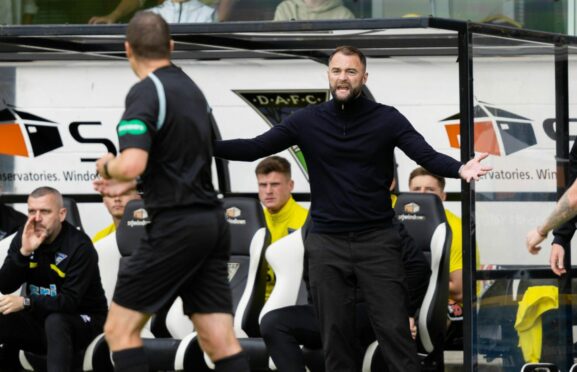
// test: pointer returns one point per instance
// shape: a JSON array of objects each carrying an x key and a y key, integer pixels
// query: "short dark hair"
[
  {"x": 149, "y": 36},
  {"x": 420, "y": 171},
  {"x": 46, "y": 190},
  {"x": 274, "y": 164},
  {"x": 348, "y": 50}
]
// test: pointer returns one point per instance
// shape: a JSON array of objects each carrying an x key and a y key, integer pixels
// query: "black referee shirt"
[{"x": 167, "y": 115}]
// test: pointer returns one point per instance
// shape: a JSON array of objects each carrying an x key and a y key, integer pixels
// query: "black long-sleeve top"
[
  {"x": 61, "y": 276},
  {"x": 564, "y": 233},
  {"x": 349, "y": 154}
]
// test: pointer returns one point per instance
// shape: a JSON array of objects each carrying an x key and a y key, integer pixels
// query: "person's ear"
[
  {"x": 291, "y": 185},
  {"x": 128, "y": 49},
  {"x": 62, "y": 214},
  {"x": 171, "y": 45}
]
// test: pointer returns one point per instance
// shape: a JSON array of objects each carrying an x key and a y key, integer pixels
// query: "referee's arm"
[{"x": 128, "y": 165}]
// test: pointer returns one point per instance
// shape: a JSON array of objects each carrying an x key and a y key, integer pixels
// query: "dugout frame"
[{"x": 379, "y": 38}]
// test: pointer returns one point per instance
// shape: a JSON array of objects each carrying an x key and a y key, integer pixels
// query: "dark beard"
[{"x": 356, "y": 92}]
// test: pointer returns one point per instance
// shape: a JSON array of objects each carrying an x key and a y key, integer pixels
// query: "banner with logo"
[{"x": 64, "y": 116}]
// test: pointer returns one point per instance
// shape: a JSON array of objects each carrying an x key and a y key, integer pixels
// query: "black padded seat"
[
  {"x": 131, "y": 228},
  {"x": 72, "y": 213}
]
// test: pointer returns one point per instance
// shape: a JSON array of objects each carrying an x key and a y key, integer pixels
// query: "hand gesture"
[
  {"x": 113, "y": 188},
  {"x": 534, "y": 238},
  {"x": 556, "y": 259},
  {"x": 100, "y": 165},
  {"x": 102, "y": 20},
  {"x": 413, "y": 327},
  {"x": 32, "y": 236},
  {"x": 11, "y": 304},
  {"x": 474, "y": 169}
]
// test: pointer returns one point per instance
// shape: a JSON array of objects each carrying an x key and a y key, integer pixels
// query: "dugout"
[{"x": 513, "y": 92}]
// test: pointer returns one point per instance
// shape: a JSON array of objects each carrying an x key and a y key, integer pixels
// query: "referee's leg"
[
  {"x": 217, "y": 339},
  {"x": 122, "y": 332}
]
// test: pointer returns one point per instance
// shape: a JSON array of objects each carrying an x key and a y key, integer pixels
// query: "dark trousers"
[
  {"x": 58, "y": 335},
  {"x": 371, "y": 261},
  {"x": 285, "y": 329}
]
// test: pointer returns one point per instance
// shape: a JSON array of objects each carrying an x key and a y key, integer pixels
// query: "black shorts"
[{"x": 185, "y": 254}]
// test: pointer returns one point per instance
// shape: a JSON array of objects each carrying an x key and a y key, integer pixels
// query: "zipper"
[{"x": 344, "y": 122}]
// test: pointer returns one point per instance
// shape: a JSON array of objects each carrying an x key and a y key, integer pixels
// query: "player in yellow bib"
[
  {"x": 282, "y": 213},
  {"x": 115, "y": 206}
]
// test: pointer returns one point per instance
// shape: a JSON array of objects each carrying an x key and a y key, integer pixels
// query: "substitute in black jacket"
[{"x": 64, "y": 307}]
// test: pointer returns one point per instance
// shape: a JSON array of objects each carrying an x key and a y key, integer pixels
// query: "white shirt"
[{"x": 191, "y": 11}]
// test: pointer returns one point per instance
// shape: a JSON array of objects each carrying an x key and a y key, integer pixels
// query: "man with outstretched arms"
[
  {"x": 165, "y": 138},
  {"x": 348, "y": 143},
  {"x": 64, "y": 307}
]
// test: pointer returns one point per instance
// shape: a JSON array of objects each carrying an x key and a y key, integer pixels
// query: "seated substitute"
[
  {"x": 115, "y": 206},
  {"x": 64, "y": 307},
  {"x": 173, "y": 11},
  {"x": 308, "y": 10},
  {"x": 285, "y": 329},
  {"x": 282, "y": 213},
  {"x": 421, "y": 180}
]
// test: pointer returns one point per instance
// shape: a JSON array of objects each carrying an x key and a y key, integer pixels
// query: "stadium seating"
[{"x": 285, "y": 256}]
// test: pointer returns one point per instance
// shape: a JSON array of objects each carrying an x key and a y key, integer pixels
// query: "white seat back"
[
  {"x": 286, "y": 257},
  {"x": 108, "y": 264},
  {"x": 4, "y": 247}
]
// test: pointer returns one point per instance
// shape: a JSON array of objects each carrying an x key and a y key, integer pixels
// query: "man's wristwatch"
[{"x": 26, "y": 302}]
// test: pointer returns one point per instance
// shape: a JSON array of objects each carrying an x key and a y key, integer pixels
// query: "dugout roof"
[{"x": 377, "y": 37}]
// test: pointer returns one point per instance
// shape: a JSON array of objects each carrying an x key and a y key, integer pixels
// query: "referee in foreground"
[{"x": 165, "y": 138}]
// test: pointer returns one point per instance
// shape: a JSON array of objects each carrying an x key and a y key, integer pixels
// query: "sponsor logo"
[
  {"x": 59, "y": 258},
  {"x": 412, "y": 208},
  {"x": 410, "y": 217},
  {"x": 276, "y": 105},
  {"x": 232, "y": 270},
  {"x": 497, "y": 131},
  {"x": 34, "y": 290},
  {"x": 233, "y": 212},
  {"x": 134, "y": 223},
  {"x": 410, "y": 212},
  {"x": 27, "y": 135},
  {"x": 140, "y": 218},
  {"x": 133, "y": 127},
  {"x": 232, "y": 215},
  {"x": 140, "y": 214}
]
